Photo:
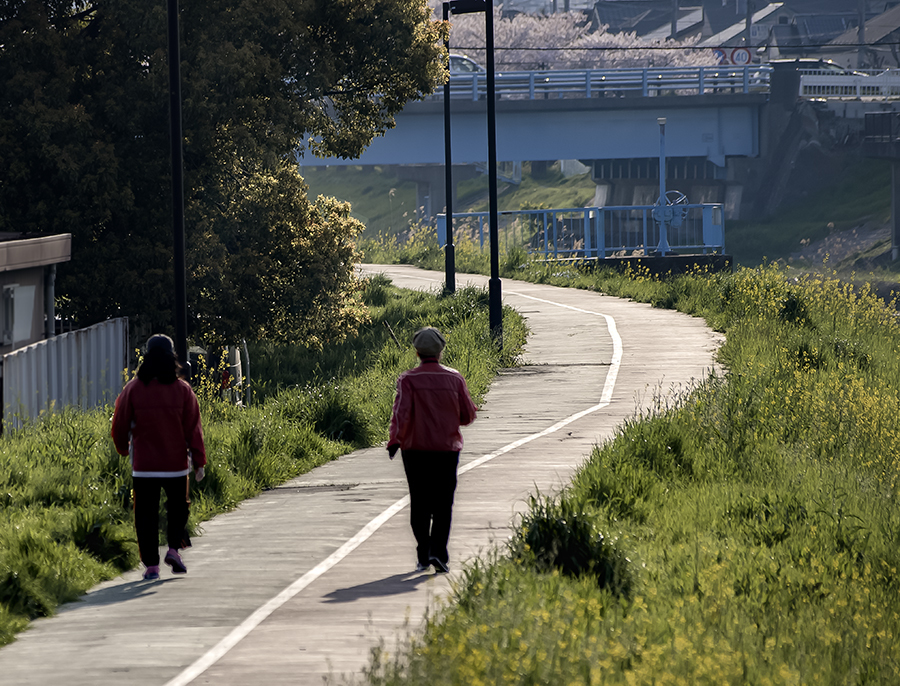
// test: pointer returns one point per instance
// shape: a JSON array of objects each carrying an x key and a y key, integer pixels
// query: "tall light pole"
[
  {"x": 175, "y": 137},
  {"x": 495, "y": 304},
  {"x": 449, "y": 250},
  {"x": 662, "y": 213}
]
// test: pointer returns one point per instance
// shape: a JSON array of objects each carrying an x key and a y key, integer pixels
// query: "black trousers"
[
  {"x": 431, "y": 475},
  {"x": 146, "y": 513}
]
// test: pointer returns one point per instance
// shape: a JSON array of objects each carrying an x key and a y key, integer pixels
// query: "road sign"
[{"x": 740, "y": 56}]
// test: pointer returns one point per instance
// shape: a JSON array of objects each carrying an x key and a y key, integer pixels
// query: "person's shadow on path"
[
  {"x": 392, "y": 585},
  {"x": 118, "y": 593}
]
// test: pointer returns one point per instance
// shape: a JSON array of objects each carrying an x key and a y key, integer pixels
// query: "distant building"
[
  {"x": 882, "y": 34},
  {"x": 27, "y": 286}
]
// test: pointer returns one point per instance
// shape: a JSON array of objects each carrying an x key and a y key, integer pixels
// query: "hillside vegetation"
[{"x": 743, "y": 534}]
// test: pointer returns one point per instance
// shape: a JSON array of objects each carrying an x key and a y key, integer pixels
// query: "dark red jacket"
[
  {"x": 432, "y": 403},
  {"x": 157, "y": 424}
]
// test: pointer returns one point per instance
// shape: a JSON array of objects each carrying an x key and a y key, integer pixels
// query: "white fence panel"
[
  {"x": 884, "y": 85},
  {"x": 84, "y": 367}
]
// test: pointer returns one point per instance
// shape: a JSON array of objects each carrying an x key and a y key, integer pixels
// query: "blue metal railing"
[
  {"x": 591, "y": 83},
  {"x": 592, "y": 232}
]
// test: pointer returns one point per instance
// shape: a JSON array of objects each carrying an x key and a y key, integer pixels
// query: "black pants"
[
  {"x": 146, "y": 514},
  {"x": 431, "y": 476}
]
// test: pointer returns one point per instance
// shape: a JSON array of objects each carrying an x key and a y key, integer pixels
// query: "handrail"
[
  {"x": 588, "y": 83},
  {"x": 593, "y": 232}
]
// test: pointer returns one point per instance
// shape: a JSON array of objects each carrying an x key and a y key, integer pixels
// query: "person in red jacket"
[
  {"x": 432, "y": 403},
  {"x": 157, "y": 423}
]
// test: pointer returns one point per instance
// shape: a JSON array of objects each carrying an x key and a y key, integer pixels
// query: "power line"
[{"x": 848, "y": 46}]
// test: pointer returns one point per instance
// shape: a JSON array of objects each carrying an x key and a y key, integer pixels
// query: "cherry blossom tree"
[{"x": 564, "y": 41}]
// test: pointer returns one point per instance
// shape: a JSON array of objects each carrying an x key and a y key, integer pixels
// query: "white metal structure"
[
  {"x": 87, "y": 368},
  {"x": 821, "y": 85}
]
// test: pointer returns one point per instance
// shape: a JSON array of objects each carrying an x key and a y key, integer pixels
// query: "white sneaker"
[{"x": 439, "y": 566}]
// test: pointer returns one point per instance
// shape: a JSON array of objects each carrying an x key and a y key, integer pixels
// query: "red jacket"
[
  {"x": 157, "y": 424},
  {"x": 432, "y": 403}
]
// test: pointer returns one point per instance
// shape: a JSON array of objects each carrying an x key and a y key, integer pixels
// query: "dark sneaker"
[
  {"x": 422, "y": 566},
  {"x": 439, "y": 566},
  {"x": 151, "y": 573},
  {"x": 173, "y": 559}
]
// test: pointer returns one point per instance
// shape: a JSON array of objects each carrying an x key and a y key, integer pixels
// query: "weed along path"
[{"x": 302, "y": 581}]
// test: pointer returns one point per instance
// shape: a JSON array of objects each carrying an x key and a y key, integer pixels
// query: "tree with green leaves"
[{"x": 84, "y": 149}]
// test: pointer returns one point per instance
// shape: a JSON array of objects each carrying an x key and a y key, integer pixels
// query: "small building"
[
  {"x": 881, "y": 35},
  {"x": 28, "y": 286}
]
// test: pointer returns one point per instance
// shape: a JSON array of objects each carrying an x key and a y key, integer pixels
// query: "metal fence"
[
  {"x": 884, "y": 85},
  {"x": 86, "y": 368},
  {"x": 882, "y": 127},
  {"x": 590, "y": 83},
  {"x": 592, "y": 232}
]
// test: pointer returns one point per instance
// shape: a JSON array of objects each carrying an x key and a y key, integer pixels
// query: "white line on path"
[{"x": 219, "y": 650}]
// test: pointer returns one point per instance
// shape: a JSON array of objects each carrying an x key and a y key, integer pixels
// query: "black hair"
[{"x": 159, "y": 364}]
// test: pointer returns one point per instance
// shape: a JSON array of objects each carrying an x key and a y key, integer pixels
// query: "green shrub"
[{"x": 558, "y": 534}]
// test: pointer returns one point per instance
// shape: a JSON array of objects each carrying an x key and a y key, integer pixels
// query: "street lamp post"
[
  {"x": 663, "y": 213},
  {"x": 495, "y": 308},
  {"x": 449, "y": 250},
  {"x": 175, "y": 134}
]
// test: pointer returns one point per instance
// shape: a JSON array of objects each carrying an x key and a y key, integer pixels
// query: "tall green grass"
[
  {"x": 66, "y": 494},
  {"x": 758, "y": 515}
]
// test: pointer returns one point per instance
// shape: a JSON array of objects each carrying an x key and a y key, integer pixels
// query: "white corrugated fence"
[{"x": 86, "y": 367}]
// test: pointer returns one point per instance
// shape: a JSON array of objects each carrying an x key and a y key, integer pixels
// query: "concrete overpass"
[{"x": 605, "y": 118}]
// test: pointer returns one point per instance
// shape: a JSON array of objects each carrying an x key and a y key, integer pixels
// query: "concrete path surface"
[{"x": 301, "y": 582}]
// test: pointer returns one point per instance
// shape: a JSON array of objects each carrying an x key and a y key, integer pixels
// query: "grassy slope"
[
  {"x": 860, "y": 195},
  {"x": 746, "y": 534},
  {"x": 380, "y": 200},
  {"x": 368, "y": 192}
]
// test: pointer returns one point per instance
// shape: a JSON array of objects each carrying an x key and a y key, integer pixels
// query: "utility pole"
[
  {"x": 176, "y": 137},
  {"x": 861, "y": 57},
  {"x": 674, "y": 19},
  {"x": 449, "y": 250},
  {"x": 749, "y": 20}
]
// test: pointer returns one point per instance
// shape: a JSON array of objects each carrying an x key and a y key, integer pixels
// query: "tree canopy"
[{"x": 84, "y": 149}]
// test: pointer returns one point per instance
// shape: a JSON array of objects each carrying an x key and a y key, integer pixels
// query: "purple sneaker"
[
  {"x": 173, "y": 559},
  {"x": 151, "y": 573}
]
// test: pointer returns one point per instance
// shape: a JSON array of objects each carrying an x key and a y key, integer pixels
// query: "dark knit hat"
[
  {"x": 429, "y": 342},
  {"x": 161, "y": 342}
]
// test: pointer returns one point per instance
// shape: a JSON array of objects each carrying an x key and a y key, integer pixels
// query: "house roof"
[
  {"x": 877, "y": 29},
  {"x": 735, "y": 30},
  {"x": 687, "y": 20},
  {"x": 20, "y": 252},
  {"x": 644, "y": 16},
  {"x": 815, "y": 29}
]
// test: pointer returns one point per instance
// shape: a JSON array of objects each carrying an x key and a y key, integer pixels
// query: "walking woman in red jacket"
[
  {"x": 157, "y": 423},
  {"x": 432, "y": 402}
]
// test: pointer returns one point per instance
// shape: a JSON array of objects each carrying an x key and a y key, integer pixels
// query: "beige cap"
[{"x": 429, "y": 342}]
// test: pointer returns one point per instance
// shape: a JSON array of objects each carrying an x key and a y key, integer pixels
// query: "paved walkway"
[{"x": 299, "y": 583}]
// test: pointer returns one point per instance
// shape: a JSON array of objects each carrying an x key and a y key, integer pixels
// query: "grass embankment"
[
  {"x": 66, "y": 494},
  {"x": 387, "y": 205},
  {"x": 859, "y": 196},
  {"x": 745, "y": 534}
]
